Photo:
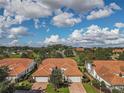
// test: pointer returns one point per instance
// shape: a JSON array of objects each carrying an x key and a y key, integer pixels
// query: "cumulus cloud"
[
  {"x": 3, "y": 3},
  {"x": 119, "y": 25},
  {"x": 28, "y": 8},
  {"x": 65, "y": 19},
  {"x": 76, "y": 35},
  {"x": 77, "y": 5},
  {"x": 16, "y": 32},
  {"x": 92, "y": 36},
  {"x": 2, "y": 34},
  {"x": 17, "y": 11},
  {"x": 97, "y": 36},
  {"x": 53, "y": 39},
  {"x": 13, "y": 43},
  {"x": 103, "y": 12}
]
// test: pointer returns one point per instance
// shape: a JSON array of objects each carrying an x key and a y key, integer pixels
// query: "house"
[
  {"x": 109, "y": 71},
  {"x": 18, "y": 67},
  {"x": 67, "y": 65},
  {"x": 79, "y": 49},
  {"x": 121, "y": 50}
]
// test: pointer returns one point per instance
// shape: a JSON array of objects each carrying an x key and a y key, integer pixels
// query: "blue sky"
[{"x": 81, "y": 23}]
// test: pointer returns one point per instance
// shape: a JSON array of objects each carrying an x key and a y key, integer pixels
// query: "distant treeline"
[{"x": 60, "y": 51}]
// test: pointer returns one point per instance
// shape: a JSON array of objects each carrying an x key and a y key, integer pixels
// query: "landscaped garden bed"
[
  {"x": 89, "y": 88},
  {"x": 51, "y": 89}
]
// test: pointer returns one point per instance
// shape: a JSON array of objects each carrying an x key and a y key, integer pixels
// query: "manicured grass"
[
  {"x": 50, "y": 89},
  {"x": 89, "y": 88},
  {"x": 15, "y": 56}
]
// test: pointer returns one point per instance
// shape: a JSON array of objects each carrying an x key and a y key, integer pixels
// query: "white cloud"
[
  {"x": 16, "y": 32},
  {"x": 14, "y": 43},
  {"x": 114, "y": 6},
  {"x": 11, "y": 36},
  {"x": 119, "y": 25},
  {"x": 3, "y": 3},
  {"x": 103, "y": 12},
  {"x": 17, "y": 11},
  {"x": 99, "y": 14},
  {"x": 37, "y": 24},
  {"x": 65, "y": 19},
  {"x": 77, "y": 5},
  {"x": 76, "y": 35},
  {"x": 97, "y": 36},
  {"x": 92, "y": 36},
  {"x": 29, "y": 9},
  {"x": 19, "y": 19},
  {"x": 53, "y": 39},
  {"x": 2, "y": 34}
]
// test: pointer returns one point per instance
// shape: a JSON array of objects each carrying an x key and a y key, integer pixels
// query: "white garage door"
[
  {"x": 41, "y": 79},
  {"x": 75, "y": 79}
]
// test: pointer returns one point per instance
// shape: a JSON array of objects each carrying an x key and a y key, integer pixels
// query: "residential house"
[
  {"x": 121, "y": 50},
  {"x": 18, "y": 67},
  {"x": 79, "y": 49},
  {"x": 67, "y": 65},
  {"x": 109, "y": 71}
]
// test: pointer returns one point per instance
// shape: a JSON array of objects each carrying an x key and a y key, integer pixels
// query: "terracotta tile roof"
[
  {"x": 59, "y": 61},
  {"x": 16, "y": 65},
  {"x": 110, "y": 71},
  {"x": 118, "y": 50},
  {"x": 68, "y": 65},
  {"x": 79, "y": 49}
]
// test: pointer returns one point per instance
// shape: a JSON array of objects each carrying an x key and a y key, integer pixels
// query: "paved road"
[{"x": 77, "y": 88}]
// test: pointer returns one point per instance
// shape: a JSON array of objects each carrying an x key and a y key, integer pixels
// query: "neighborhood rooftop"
[
  {"x": 68, "y": 65},
  {"x": 110, "y": 71},
  {"x": 16, "y": 65}
]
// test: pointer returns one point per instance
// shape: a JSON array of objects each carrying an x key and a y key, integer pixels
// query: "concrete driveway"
[
  {"x": 77, "y": 88},
  {"x": 39, "y": 86}
]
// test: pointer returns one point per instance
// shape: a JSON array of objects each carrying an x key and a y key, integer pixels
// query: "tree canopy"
[{"x": 3, "y": 72}]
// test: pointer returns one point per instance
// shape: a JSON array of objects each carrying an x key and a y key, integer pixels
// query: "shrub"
[
  {"x": 96, "y": 83},
  {"x": 115, "y": 91},
  {"x": 85, "y": 79},
  {"x": 24, "y": 85}
]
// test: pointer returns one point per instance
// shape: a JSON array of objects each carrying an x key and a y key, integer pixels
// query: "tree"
[
  {"x": 56, "y": 77},
  {"x": 121, "y": 56},
  {"x": 5, "y": 86},
  {"x": 24, "y": 55},
  {"x": 116, "y": 91},
  {"x": 103, "y": 84},
  {"x": 103, "y": 53},
  {"x": 3, "y": 73}
]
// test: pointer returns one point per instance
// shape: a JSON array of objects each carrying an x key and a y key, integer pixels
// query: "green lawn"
[
  {"x": 89, "y": 88},
  {"x": 15, "y": 56},
  {"x": 50, "y": 89}
]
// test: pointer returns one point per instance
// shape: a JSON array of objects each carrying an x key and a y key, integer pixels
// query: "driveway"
[
  {"x": 39, "y": 86},
  {"x": 77, "y": 88}
]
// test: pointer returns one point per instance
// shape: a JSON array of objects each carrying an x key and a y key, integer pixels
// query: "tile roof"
[
  {"x": 110, "y": 71},
  {"x": 69, "y": 65},
  {"x": 118, "y": 50},
  {"x": 79, "y": 49},
  {"x": 16, "y": 65}
]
